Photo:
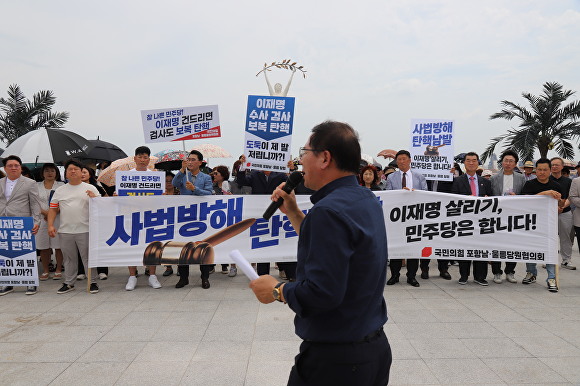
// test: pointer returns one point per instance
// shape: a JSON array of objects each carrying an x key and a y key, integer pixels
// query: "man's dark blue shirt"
[{"x": 342, "y": 265}]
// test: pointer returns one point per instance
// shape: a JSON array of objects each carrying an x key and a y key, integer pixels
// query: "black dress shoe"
[
  {"x": 482, "y": 282},
  {"x": 204, "y": 283},
  {"x": 413, "y": 282},
  {"x": 393, "y": 280},
  {"x": 182, "y": 282},
  {"x": 425, "y": 274},
  {"x": 445, "y": 275}
]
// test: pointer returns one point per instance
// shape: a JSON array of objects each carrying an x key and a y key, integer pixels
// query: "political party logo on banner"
[
  {"x": 17, "y": 252},
  {"x": 268, "y": 138},
  {"x": 135, "y": 183},
  {"x": 181, "y": 123},
  {"x": 183, "y": 229},
  {"x": 432, "y": 148},
  {"x": 448, "y": 226}
]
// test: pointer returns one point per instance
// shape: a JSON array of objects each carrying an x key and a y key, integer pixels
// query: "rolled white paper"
[{"x": 243, "y": 264}]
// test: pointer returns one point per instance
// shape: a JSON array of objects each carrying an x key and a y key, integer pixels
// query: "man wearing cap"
[
  {"x": 577, "y": 170},
  {"x": 487, "y": 174},
  {"x": 529, "y": 170}
]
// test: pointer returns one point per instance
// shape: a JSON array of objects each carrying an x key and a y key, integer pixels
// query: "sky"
[{"x": 374, "y": 64}]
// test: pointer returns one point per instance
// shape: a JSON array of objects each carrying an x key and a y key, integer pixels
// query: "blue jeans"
[{"x": 533, "y": 269}]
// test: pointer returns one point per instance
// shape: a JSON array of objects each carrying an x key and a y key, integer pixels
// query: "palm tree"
[
  {"x": 20, "y": 115},
  {"x": 547, "y": 125}
]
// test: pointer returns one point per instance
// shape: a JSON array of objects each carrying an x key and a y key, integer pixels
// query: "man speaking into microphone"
[{"x": 341, "y": 271}]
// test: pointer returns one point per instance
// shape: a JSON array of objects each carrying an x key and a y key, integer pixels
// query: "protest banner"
[
  {"x": 269, "y": 122},
  {"x": 432, "y": 148},
  {"x": 17, "y": 252},
  {"x": 135, "y": 183},
  {"x": 181, "y": 123},
  {"x": 419, "y": 224},
  {"x": 423, "y": 224}
]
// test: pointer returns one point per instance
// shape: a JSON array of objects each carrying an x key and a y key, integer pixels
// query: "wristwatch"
[{"x": 277, "y": 293}]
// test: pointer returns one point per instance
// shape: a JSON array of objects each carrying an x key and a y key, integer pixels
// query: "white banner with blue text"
[{"x": 129, "y": 231}]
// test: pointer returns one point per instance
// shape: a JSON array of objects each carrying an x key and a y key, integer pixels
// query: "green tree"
[
  {"x": 547, "y": 124},
  {"x": 20, "y": 115}
]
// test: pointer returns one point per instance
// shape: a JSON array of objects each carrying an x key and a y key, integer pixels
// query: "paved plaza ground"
[{"x": 441, "y": 333}]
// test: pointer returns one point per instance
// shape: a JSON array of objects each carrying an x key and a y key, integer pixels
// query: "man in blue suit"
[
  {"x": 405, "y": 178},
  {"x": 470, "y": 184},
  {"x": 190, "y": 180}
]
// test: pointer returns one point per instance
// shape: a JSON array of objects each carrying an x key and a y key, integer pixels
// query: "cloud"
[{"x": 376, "y": 64}]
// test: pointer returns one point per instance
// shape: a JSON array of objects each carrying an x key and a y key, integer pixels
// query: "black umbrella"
[
  {"x": 49, "y": 145},
  {"x": 459, "y": 157},
  {"x": 104, "y": 151}
]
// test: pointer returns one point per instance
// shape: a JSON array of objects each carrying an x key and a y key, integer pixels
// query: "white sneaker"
[
  {"x": 153, "y": 282},
  {"x": 131, "y": 283},
  {"x": 102, "y": 276},
  {"x": 497, "y": 278},
  {"x": 81, "y": 277},
  {"x": 511, "y": 278},
  {"x": 233, "y": 272},
  {"x": 552, "y": 287},
  {"x": 568, "y": 265}
]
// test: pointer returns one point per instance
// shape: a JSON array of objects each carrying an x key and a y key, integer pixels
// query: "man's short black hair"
[
  {"x": 403, "y": 152},
  {"x": 544, "y": 161},
  {"x": 198, "y": 154},
  {"x": 341, "y": 141},
  {"x": 471, "y": 154},
  {"x": 509, "y": 152},
  {"x": 12, "y": 158},
  {"x": 73, "y": 162},
  {"x": 143, "y": 150}
]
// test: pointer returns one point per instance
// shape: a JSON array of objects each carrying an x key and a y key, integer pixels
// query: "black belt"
[{"x": 368, "y": 338}]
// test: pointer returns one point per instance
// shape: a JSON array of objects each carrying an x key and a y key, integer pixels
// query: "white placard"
[
  {"x": 181, "y": 123},
  {"x": 432, "y": 148}
]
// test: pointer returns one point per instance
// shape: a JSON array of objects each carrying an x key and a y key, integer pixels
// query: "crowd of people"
[
  {"x": 61, "y": 214},
  {"x": 545, "y": 177},
  {"x": 60, "y": 211}
]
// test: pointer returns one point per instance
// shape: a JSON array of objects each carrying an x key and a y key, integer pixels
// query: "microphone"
[{"x": 293, "y": 180}]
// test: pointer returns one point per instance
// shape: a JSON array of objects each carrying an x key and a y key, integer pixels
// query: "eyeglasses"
[{"x": 303, "y": 151}]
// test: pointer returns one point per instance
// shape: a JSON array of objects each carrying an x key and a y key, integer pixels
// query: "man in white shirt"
[
  {"x": 72, "y": 202},
  {"x": 142, "y": 158},
  {"x": 18, "y": 198},
  {"x": 506, "y": 183},
  {"x": 406, "y": 179}
]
